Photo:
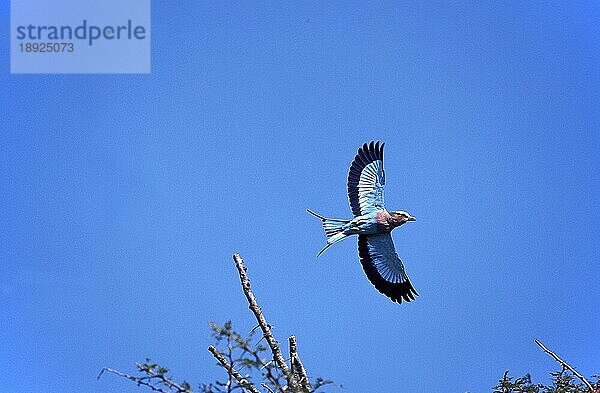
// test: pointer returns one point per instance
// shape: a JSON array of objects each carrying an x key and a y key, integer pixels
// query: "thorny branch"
[
  {"x": 264, "y": 385},
  {"x": 297, "y": 367},
  {"x": 566, "y": 365},
  {"x": 231, "y": 371},
  {"x": 244, "y": 345},
  {"x": 155, "y": 375},
  {"x": 262, "y": 322},
  {"x": 296, "y": 376}
]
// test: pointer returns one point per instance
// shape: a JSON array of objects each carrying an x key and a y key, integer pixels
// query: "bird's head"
[{"x": 401, "y": 217}]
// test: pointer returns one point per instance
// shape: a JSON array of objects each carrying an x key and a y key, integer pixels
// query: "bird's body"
[
  {"x": 373, "y": 224},
  {"x": 370, "y": 224}
]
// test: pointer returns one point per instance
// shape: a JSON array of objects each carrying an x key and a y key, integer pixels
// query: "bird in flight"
[{"x": 373, "y": 224}]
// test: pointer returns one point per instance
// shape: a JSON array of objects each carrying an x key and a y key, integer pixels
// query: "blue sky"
[{"x": 124, "y": 196}]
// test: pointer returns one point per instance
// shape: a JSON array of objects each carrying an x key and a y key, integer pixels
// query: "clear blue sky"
[{"x": 124, "y": 196}]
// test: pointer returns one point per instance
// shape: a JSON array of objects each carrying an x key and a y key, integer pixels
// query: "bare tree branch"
[
  {"x": 149, "y": 380},
  {"x": 231, "y": 362},
  {"x": 268, "y": 367},
  {"x": 262, "y": 322},
  {"x": 566, "y": 365},
  {"x": 264, "y": 385},
  {"x": 297, "y": 367},
  {"x": 231, "y": 371},
  {"x": 137, "y": 380}
]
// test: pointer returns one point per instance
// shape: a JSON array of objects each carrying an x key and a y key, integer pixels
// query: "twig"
[
  {"x": 264, "y": 385},
  {"x": 566, "y": 365},
  {"x": 272, "y": 377},
  {"x": 231, "y": 371},
  {"x": 138, "y": 380},
  {"x": 265, "y": 327},
  {"x": 230, "y": 358},
  {"x": 144, "y": 381},
  {"x": 254, "y": 329},
  {"x": 297, "y": 366}
]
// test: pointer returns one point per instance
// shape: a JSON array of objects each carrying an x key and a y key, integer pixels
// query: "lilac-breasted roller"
[{"x": 373, "y": 224}]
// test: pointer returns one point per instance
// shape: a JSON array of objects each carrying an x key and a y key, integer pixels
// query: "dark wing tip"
[
  {"x": 366, "y": 154},
  {"x": 397, "y": 292},
  {"x": 408, "y": 293},
  {"x": 371, "y": 151},
  {"x": 362, "y": 149}
]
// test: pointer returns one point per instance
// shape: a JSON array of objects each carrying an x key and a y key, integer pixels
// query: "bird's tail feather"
[{"x": 333, "y": 228}]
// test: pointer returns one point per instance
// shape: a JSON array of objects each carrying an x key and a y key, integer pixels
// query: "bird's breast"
[
  {"x": 383, "y": 224},
  {"x": 382, "y": 217}
]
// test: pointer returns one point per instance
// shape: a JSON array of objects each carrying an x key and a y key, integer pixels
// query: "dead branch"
[
  {"x": 231, "y": 371},
  {"x": 297, "y": 367},
  {"x": 264, "y": 385},
  {"x": 137, "y": 380},
  {"x": 262, "y": 322},
  {"x": 566, "y": 365},
  {"x": 243, "y": 344},
  {"x": 149, "y": 380}
]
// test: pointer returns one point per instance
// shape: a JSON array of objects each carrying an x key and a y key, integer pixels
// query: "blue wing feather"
[
  {"x": 366, "y": 180},
  {"x": 384, "y": 268}
]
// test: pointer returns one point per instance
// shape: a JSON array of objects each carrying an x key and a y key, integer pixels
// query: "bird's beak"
[{"x": 411, "y": 218}]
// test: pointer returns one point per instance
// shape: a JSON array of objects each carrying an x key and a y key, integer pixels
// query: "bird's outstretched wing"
[
  {"x": 366, "y": 180},
  {"x": 384, "y": 268}
]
